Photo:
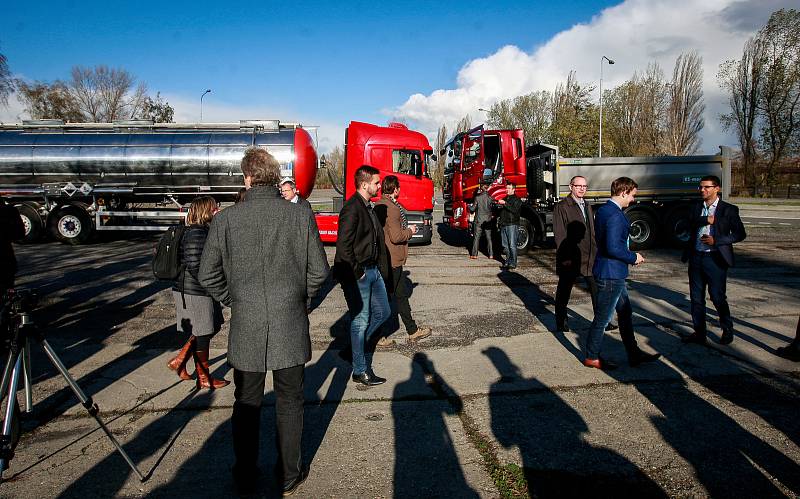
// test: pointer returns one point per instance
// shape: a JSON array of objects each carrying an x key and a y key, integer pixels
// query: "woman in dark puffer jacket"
[{"x": 197, "y": 313}]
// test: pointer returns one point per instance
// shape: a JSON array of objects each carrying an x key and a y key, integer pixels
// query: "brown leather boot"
[
  {"x": 204, "y": 379},
  {"x": 178, "y": 363}
]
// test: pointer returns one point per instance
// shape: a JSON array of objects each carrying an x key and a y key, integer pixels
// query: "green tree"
[
  {"x": 531, "y": 113},
  {"x": 684, "y": 117},
  {"x": 49, "y": 101},
  {"x": 438, "y": 172},
  {"x": 634, "y": 114},
  {"x": 574, "y": 116},
  {"x": 156, "y": 109}
]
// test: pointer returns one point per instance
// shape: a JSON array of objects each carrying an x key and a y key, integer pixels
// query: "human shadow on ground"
[
  {"x": 550, "y": 435},
  {"x": 426, "y": 463}
]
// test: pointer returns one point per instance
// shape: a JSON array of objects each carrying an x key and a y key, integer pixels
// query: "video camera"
[{"x": 15, "y": 308}]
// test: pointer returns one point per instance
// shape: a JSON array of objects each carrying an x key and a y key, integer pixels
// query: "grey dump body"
[{"x": 663, "y": 178}]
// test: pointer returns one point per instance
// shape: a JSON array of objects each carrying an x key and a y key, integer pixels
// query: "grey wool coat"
[{"x": 264, "y": 259}]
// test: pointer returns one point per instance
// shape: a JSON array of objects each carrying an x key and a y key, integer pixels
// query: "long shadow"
[
  {"x": 107, "y": 478},
  {"x": 727, "y": 459},
  {"x": 556, "y": 459},
  {"x": 426, "y": 463}
]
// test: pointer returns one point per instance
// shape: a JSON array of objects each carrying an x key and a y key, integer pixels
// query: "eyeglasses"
[
  {"x": 579, "y": 186},
  {"x": 708, "y": 186}
]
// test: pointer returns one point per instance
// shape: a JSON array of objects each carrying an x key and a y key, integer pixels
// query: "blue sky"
[{"x": 326, "y": 64}]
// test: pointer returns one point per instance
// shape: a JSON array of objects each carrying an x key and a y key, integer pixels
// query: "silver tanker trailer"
[{"x": 71, "y": 179}]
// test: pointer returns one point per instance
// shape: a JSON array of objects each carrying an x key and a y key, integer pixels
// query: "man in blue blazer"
[
  {"x": 610, "y": 271},
  {"x": 715, "y": 227}
]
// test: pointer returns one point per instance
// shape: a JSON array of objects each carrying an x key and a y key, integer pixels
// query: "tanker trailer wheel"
[
  {"x": 32, "y": 222},
  {"x": 644, "y": 231},
  {"x": 71, "y": 225}
]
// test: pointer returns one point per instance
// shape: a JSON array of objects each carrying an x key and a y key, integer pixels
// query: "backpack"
[{"x": 166, "y": 258}]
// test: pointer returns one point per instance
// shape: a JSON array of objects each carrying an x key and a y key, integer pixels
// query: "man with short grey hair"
[
  {"x": 252, "y": 247},
  {"x": 290, "y": 193}
]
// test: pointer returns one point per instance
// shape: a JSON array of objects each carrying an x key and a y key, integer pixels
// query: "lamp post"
[
  {"x": 201, "y": 103},
  {"x": 600, "y": 148}
]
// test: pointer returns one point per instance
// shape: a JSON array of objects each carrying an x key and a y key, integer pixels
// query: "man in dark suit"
[
  {"x": 715, "y": 226},
  {"x": 573, "y": 229},
  {"x": 264, "y": 259},
  {"x": 610, "y": 271},
  {"x": 289, "y": 193},
  {"x": 481, "y": 207},
  {"x": 362, "y": 266}
]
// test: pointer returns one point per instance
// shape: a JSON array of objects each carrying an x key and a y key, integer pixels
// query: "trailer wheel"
[
  {"x": 644, "y": 231},
  {"x": 32, "y": 222},
  {"x": 71, "y": 225},
  {"x": 678, "y": 227}
]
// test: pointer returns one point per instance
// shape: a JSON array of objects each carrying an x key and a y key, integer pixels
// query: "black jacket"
[
  {"x": 355, "y": 239},
  {"x": 509, "y": 212},
  {"x": 11, "y": 229},
  {"x": 192, "y": 244},
  {"x": 728, "y": 229}
]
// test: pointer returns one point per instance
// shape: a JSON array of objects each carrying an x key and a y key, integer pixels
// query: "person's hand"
[
  {"x": 414, "y": 229},
  {"x": 501, "y": 201},
  {"x": 707, "y": 239},
  {"x": 710, "y": 219},
  {"x": 639, "y": 259}
]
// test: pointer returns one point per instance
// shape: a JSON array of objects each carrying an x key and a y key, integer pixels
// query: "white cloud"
[{"x": 633, "y": 33}]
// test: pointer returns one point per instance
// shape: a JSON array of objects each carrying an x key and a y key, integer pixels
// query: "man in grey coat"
[
  {"x": 264, "y": 259},
  {"x": 482, "y": 224}
]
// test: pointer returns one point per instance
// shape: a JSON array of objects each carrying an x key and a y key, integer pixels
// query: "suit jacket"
[
  {"x": 395, "y": 236},
  {"x": 727, "y": 229},
  {"x": 263, "y": 258},
  {"x": 613, "y": 255},
  {"x": 567, "y": 212},
  {"x": 354, "y": 242},
  {"x": 481, "y": 206},
  {"x": 303, "y": 202}
]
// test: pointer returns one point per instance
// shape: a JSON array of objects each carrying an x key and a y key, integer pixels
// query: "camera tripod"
[{"x": 23, "y": 330}]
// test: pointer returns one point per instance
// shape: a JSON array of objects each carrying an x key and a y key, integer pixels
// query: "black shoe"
[
  {"x": 727, "y": 338},
  {"x": 290, "y": 487},
  {"x": 700, "y": 339},
  {"x": 368, "y": 379},
  {"x": 563, "y": 327},
  {"x": 611, "y": 327},
  {"x": 642, "y": 358},
  {"x": 789, "y": 352},
  {"x": 245, "y": 481}
]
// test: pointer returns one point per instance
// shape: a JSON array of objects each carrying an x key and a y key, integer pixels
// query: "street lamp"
[
  {"x": 610, "y": 61},
  {"x": 201, "y": 103},
  {"x": 482, "y": 109}
]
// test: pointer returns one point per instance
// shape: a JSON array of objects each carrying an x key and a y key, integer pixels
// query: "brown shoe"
[
  {"x": 385, "y": 342},
  {"x": 178, "y": 363},
  {"x": 473, "y": 257},
  {"x": 204, "y": 379},
  {"x": 419, "y": 334}
]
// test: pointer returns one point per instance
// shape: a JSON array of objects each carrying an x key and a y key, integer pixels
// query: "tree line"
[{"x": 98, "y": 94}]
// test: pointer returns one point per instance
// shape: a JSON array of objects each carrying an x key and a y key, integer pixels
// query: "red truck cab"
[
  {"x": 393, "y": 150},
  {"x": 492, "y": 157}
]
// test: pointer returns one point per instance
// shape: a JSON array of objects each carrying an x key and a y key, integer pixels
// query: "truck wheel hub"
[{"x": 70, "y": 226}]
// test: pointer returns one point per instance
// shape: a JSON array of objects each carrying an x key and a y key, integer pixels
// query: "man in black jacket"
[
  {"x": 508, "y": 221},
  {"x": 11, "y": 229},
  {"x": 289, "y": 193},
  {"x": 360, "y": 265},
  {"x": 715, "y": 226}
]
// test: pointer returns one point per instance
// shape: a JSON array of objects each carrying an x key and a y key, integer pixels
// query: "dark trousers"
[
  {"x": 402, "y": 292},
  {"x": 246, "y": 419},
  {"x": 482, "y": 229},
  {"x": 566, "y": 280},
  {"x": 708, "y": 269}
]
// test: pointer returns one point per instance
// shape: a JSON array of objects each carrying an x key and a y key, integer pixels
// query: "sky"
[{"x": 327, "y": 63}]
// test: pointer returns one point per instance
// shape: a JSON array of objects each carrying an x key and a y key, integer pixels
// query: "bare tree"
[
  {"x": 463, "y": 125},
  {"x": 438, "y": 173},
  {"x": 49, "y": 101},
  {"x": 6, "y": 82},
  {"x": 107, "y": 94},
  {"x": 780, "y": 93},
  {"x": 156, "y": 109},
  {"x": 334, "y": 162},
  {"x": 635, "y": 112},
  {"x": 573, "y": 118},
  {"x": 684, "y": 118}
]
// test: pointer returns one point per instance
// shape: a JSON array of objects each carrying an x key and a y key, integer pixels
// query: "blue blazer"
[{"x": 611, "y": 233}]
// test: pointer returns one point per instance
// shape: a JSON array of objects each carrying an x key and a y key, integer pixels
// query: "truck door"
[{"x": 472, "y": 162}]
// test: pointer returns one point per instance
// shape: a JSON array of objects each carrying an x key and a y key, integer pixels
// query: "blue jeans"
[
  {"x": 508, "y": 236},
  {"x": 612, "y": 294},
  {"x": 369, "y": 308}
]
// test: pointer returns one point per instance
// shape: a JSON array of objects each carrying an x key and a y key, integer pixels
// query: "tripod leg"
[
  {"x": 7, "y": 440},
  {"x": 9, "y": 368},
  {"x": 87, "y": 402},
  {"x": 26, "y": 371}
]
